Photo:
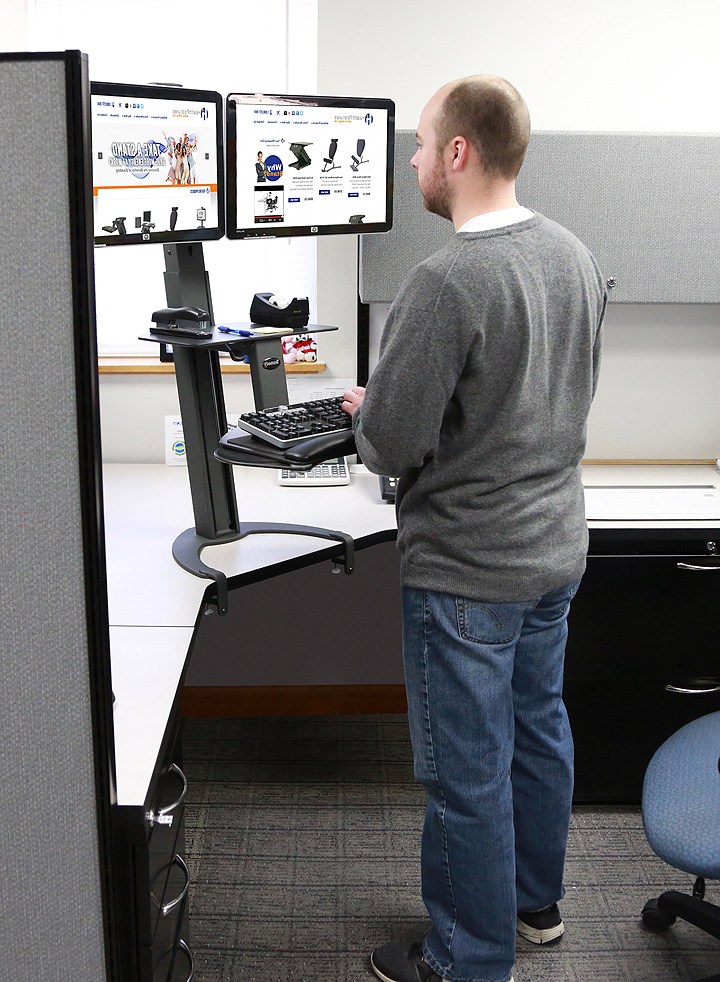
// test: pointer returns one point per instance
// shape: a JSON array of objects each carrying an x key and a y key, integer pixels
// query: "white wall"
[
  {"x": 13, "y": 24},
  {"x": 600, "y": 64},
  {"x": 597, "y": 65}
]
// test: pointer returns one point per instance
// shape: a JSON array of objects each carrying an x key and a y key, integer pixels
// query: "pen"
[{"x": 233, "y": 330}]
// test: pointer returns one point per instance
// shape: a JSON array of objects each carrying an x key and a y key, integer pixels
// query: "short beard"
[{"x": 436, "y": 194}]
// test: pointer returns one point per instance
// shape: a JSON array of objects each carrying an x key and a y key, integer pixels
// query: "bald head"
[{"x": 492, "y": 116}]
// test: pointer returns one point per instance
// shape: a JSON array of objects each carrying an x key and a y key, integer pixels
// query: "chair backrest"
[{"x": 360, "y": 147}]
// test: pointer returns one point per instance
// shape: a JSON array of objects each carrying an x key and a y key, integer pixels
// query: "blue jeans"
[{"x": 492, "y": 747}]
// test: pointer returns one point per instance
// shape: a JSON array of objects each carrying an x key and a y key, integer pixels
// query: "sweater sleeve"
[{"x": 422, "y": 355}]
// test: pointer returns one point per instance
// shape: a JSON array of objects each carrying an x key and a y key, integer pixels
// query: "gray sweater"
[{"x": 479, "y": 403}]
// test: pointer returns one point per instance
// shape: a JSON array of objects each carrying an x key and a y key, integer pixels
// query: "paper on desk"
[
  {"x": 303, "y": 388},
  {"x": 652, "y": 503}
]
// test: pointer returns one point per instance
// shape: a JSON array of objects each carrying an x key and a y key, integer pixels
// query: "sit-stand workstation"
[
  {"x": 303, "y": 205},
  {"x": 211, "y": 450}
]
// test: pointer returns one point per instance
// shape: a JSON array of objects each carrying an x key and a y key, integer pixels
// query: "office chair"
[
  {"x": 359, "y": 159},
  {"x": 329, "y": 160},
  {"x": 681, "y": 816}
]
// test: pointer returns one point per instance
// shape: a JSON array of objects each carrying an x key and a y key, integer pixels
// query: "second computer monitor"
[{"x": 308, "y": 165}]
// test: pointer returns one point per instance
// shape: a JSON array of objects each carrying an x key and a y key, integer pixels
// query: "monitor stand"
[{"x": 202, "y": 408}]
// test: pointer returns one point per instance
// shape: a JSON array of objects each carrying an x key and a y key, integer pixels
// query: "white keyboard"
[{"x": 331, "y": 472}]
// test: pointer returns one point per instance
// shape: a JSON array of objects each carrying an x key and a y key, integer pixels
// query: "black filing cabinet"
[
  {"x": 643, "y": 654},
  {"x": 154, "y": 874}
]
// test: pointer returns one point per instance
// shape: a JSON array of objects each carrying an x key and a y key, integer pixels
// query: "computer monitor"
[
  {"x": 158, "y": 167},
  {"x": 308, "y": 165}
]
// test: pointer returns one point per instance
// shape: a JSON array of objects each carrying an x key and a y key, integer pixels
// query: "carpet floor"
[{"x": 303, "y": 843}]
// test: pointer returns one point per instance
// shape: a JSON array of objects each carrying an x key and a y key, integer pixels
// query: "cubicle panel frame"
[
  {"x": 643, "y": 203},
  {"x": 91, "y": 497},
  {"x": 55, "y": 532}
]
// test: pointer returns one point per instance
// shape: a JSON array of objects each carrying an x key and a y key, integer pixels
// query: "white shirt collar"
[{"x": 497, "y": 219}]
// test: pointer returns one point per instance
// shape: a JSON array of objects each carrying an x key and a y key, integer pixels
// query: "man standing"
[{"x": 479, "y": 404}]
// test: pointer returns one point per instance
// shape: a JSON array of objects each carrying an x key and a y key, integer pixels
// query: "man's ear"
[{"x": 460, "y": 153}]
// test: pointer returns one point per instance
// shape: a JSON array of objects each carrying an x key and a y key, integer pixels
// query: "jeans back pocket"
[{"x": 490, "y": 623}]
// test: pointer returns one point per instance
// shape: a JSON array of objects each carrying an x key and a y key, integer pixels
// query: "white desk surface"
[
  {"x": 147, "y": 663},
  {"x": 652, "y": 475},
  {"x": 153, "y": 603},
  {"x": 147, "y": 506}
]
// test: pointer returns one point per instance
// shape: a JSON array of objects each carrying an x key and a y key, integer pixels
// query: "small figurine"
[
  {"x": 306, "y": 349},
  {"x": 300, "y": 347}
]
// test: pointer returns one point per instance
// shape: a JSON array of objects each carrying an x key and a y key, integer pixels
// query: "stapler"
[
  {"x": 272, "y": 311},
  {"x": 186, "y": 322}
]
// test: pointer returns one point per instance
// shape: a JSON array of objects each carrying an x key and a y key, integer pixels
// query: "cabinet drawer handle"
[
  {"x": 171, "y": 808},
  {"x": 163, "y": 816},
  {"x": 698, "y": 569},
  {"x": 183, "y": 947},
  {"x": 692, "y": 692},
  {"x": 171, "y": 904}
]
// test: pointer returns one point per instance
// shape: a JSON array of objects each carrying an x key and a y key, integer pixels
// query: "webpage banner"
[
  {"x": 310, "y": 165},
  {"x": 155, "y": 166}
]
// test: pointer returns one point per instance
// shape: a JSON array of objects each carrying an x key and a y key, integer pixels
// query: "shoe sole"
[
  {"x": 385, "y": 978},
  {"x": 536, "y": 936},
  {"x": 377, "y": 971}
]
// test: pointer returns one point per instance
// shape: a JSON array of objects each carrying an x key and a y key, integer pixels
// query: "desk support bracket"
[{"x": 188, "y": 546}]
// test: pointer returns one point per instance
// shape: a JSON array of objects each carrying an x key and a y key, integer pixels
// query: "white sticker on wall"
[{"x": 175, "y": 441}]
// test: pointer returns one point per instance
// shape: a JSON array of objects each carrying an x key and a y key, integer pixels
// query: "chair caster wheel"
[{"x": 655, "y": 919}]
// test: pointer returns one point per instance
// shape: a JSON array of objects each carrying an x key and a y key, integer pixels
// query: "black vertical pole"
[
  {"x": 202, "y": 403},
  {"x": 202, "y": 407}
]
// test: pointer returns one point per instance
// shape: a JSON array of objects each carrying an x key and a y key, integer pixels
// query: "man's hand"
[{"x": 353, "y": 399}]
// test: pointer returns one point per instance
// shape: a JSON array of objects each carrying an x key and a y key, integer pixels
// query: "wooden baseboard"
[
  {"x": 223, "y": 701},
  {"x": 152, "y": 366}
]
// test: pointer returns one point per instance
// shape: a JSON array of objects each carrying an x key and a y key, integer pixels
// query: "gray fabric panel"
[
  {"x": 644, "y": 204},
  {"x": 49, "y": 888},
  {"x": 386, "y": 258}
]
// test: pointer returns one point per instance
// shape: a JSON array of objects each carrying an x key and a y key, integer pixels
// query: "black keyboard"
[{"x": 284, "y": 426}]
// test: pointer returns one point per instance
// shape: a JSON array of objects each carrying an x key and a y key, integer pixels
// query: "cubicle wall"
[
  {"x": 645, "y": 204},
  {"x": 55, "y": 700}
]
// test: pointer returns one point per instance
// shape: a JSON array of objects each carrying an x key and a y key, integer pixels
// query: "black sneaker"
[
  {"x": 540, "y": 926},
  {"x": 397, "y": 962},
  {"x": 403, "y": 963}
]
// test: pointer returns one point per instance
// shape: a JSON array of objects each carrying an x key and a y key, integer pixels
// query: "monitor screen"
[
  {"x": 308, "y": 165},
  {"x": 158, "y": 170}
]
